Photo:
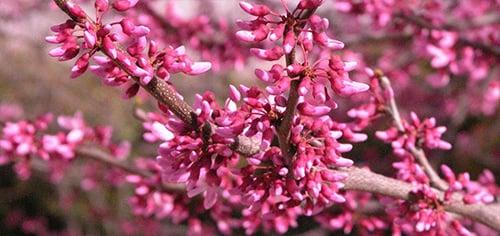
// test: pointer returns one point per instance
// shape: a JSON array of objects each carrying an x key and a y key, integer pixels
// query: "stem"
[
  {"x": 417, "y": 152},
  {"x": 62, "y": 5},
  {"x": 107, "y": 159},
  {"x": 285, "y": 126},
  {"x": 166, "y": 95},
  {"x": 364, "y": 180},
  {"x": 167, "y": 27}
]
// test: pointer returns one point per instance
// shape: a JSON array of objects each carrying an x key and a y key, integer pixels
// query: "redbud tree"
[{"x": 317, "y": 141}]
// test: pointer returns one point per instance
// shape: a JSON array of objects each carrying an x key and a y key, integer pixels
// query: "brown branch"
[
  {"x": 365, "y": 180},
  {"x": 417, "y": 152},
  {"x": 62, "y": 5},
  {"x": 284, "y": 128},
  {"x": 104, "y": 157},
  {"x": 166, "y": 95},
  {"x": 157, "y": 17},
  {"x": 358, "y": 179}
]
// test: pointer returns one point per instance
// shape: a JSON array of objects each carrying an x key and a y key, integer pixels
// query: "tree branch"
[
  {"x": 417, "y": 152},
  {"x": 284, "y": 128},
  {"x": 107, "y": 159},
  {"x": 166, "y": 95},
  {"x": 366, "y": 181},
  {"x": 358, "y": 179}
]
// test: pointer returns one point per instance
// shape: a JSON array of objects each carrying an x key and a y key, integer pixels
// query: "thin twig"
[
  {"x": 107, "y": 159},
  {"x": 417, "y": 152}
]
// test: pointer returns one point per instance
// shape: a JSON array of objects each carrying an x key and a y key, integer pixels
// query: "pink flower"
[
  {"x": 310, "y": 110},
  {"x": 161, "y": 132},
  {"x": 255, "y": 9},
  {"x": 187, "y": 157},
  {"x": 418, "y": 131},
  {"x": 123, "y": 5},
  {"x": 268, "y": 55}
]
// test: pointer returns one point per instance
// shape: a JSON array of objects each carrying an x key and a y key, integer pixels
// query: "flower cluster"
[
  {"x": 426, "y": 212},
  {"x": 270, "y": 186},
  {"x": 274, "y": 26},
  {"x": 200, "y": 158},
  {"x": 454, "y": 49},
  {"x": 297, "y": 31},
  {"x": 313, "y": 80},
  {"x": 18, "y": 140},
  {"x": 418, "y": 133},
  {"x": 150, "y": 200},
  {"x": 351, "y": 214},
  {"x": 125, "y": 56},
  {"x": 474, "y": 192},
  {"x": 24, "y": 140},
  {"x": 10, "y": 112}
]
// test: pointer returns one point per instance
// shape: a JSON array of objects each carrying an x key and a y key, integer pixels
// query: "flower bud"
[
  {"x": 123, "y": 5},
  {"x": 289, "y": 42},
  {"x": 255, "y": 9},
  {"x": 101, "y": 5},
  {"x": 269, "y": 54},
  {"x": 110, "y": 48},
  {"x": 311, "y": 110},
  {"x": 80, "y": 66},
  {"x": 325, "y": 41},
  {"x": 199, "y": 68},
  {"x": 234, "y": 94},
  {"x": 75, "y": 10},
  {"x": 161, "y": 132}
]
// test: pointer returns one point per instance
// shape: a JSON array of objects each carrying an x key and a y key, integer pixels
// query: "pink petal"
[
  {"x": 199, "y": 68},
  {"x": 160, "y": 131},
  {"x": 210, "y": 198}
]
